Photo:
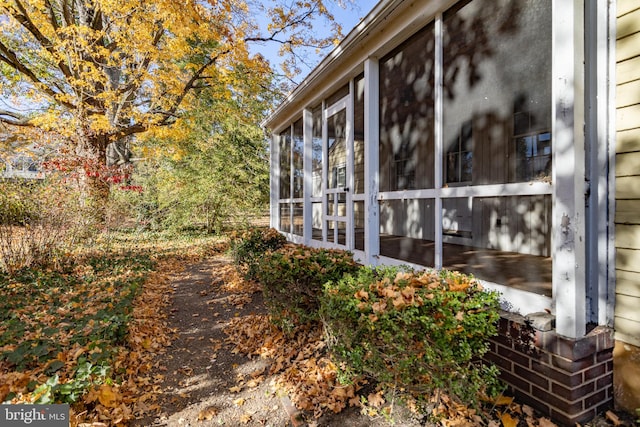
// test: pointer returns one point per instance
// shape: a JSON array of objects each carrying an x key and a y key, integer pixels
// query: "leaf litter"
[{"x": 298, "y": 365}]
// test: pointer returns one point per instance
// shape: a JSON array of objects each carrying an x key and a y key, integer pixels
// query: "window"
[
  {"x": 533, "y": 157},
  {"x": 405, "y": 169},
  {"x": 336, "y": 135},
  {"x": 459, "y": 157},
  {"x": 532, "y": 147},
  {"x": 339, "y": 176}
]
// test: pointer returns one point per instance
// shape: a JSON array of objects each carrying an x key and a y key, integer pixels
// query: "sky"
[{"x": 347, "y": 17}]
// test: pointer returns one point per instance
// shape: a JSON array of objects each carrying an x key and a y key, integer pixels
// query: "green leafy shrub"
[
  {"x": 249, "y": 248},
  {"x": 293, "y": 278},
  {"x": 423, "y": 332}
]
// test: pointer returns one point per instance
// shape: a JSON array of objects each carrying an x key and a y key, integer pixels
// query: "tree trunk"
[
  {"x": 96, "y": 199},
  {"x": 95, "y": 186}
]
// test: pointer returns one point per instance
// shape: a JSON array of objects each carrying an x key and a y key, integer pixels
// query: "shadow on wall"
[{"x": 496, "y": 126}]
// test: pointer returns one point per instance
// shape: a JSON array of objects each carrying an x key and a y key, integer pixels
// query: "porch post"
[
  {"x": 274, "y": 214},
  {"x": 371, "y": 160},
  {"x": 568, "y": 218},
  {"x": 307, "y": 167},
  {"x": 439, "y": 144}
]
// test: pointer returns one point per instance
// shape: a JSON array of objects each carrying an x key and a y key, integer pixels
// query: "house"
[
  {"x": 19, "y": 158},
  {"x": 23, "y": 166},
  {"x": 495, "y": 137}
]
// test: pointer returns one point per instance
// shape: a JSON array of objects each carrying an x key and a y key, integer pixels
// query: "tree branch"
[
  {"x": 10, "y": 58},
  {"x": 12, "y": 118},
  {"x": 23, "y": 18}
]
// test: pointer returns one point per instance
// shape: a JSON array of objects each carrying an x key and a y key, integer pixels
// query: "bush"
[
  {"x": 251, "y": 246},
  {"x": 423, "y": 332},
  {"x": 293, "y": 278},
  {"x": 16, "y": 208},
  {"x": 40, "y": 221}
]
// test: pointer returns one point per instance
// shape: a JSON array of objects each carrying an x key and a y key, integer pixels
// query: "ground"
[
  {"x": 205, "y": 382},
  {"x": 208, "y": 383}
]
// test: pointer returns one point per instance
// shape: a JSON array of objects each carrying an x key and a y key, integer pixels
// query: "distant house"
[
  {"x": 499, "y": 138},
  {"x": 21, "y": 166}
]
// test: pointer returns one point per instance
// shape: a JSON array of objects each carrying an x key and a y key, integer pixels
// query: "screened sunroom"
[
  {"x": 461, "y": 135},
  {"x": 478, "y": 136}
]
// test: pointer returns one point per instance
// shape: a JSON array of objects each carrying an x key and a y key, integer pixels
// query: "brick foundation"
[{"x": 568, "y": 380}]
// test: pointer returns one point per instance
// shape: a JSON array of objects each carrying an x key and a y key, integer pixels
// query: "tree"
[
  {"x": 98, "y": 72},
  {"x": 217, "y": 172}
]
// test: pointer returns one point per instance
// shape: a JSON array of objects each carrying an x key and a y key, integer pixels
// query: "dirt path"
[
  {"x": 205, "y": 383},
  {"x": 202, "y": 375}
]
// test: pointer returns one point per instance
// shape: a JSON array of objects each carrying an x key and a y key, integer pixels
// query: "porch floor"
[{"x": 521, "y": 271}]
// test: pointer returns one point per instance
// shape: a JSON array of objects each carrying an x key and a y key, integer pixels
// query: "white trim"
[
  {"x": 325, "y": 166},
  {"x": 350, "y": 235},
  {"x": 438, "y": 139},
  {"x": 275, "y": 182},
  {"x": 292, "y": 169},
  {"x": 519, "y": 301},
  {"x": 307, "y": 123},
  {"x": 611, "y": 181},
  {"x": 359, "y": 256},
  {"x": 601, "y": 151},
  {"x": 371, "y": 160},
  {"x": 568, "y": 218},
  {"x": 495, "y": 190}
]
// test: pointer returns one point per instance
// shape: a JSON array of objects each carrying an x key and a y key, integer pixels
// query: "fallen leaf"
[
  {"x": 528, "y": 410},
  {"x": 362, "y": 295},
  {"x": 107, "y": 396},
  {"x": 208, "y": 413},
  {"x": 375, "y": 399},
  {"x": 613, "y": 418},
  {"x": 508, "y": 420},
  {"x": 545, "y": 422}
]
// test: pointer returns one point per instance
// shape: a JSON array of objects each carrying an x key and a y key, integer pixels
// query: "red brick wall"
[{"x": 568, "y": 380}]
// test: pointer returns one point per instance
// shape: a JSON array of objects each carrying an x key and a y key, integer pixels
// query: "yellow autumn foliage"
[{"x": 99, "y": 71}]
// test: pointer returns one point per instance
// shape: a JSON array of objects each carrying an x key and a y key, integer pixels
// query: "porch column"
[
  {"x": 568, "y": 218},
  {"x": 371, "y": 160},
  {"x": 307, "y": 167},
  {"x": 274, "y": 193}
]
